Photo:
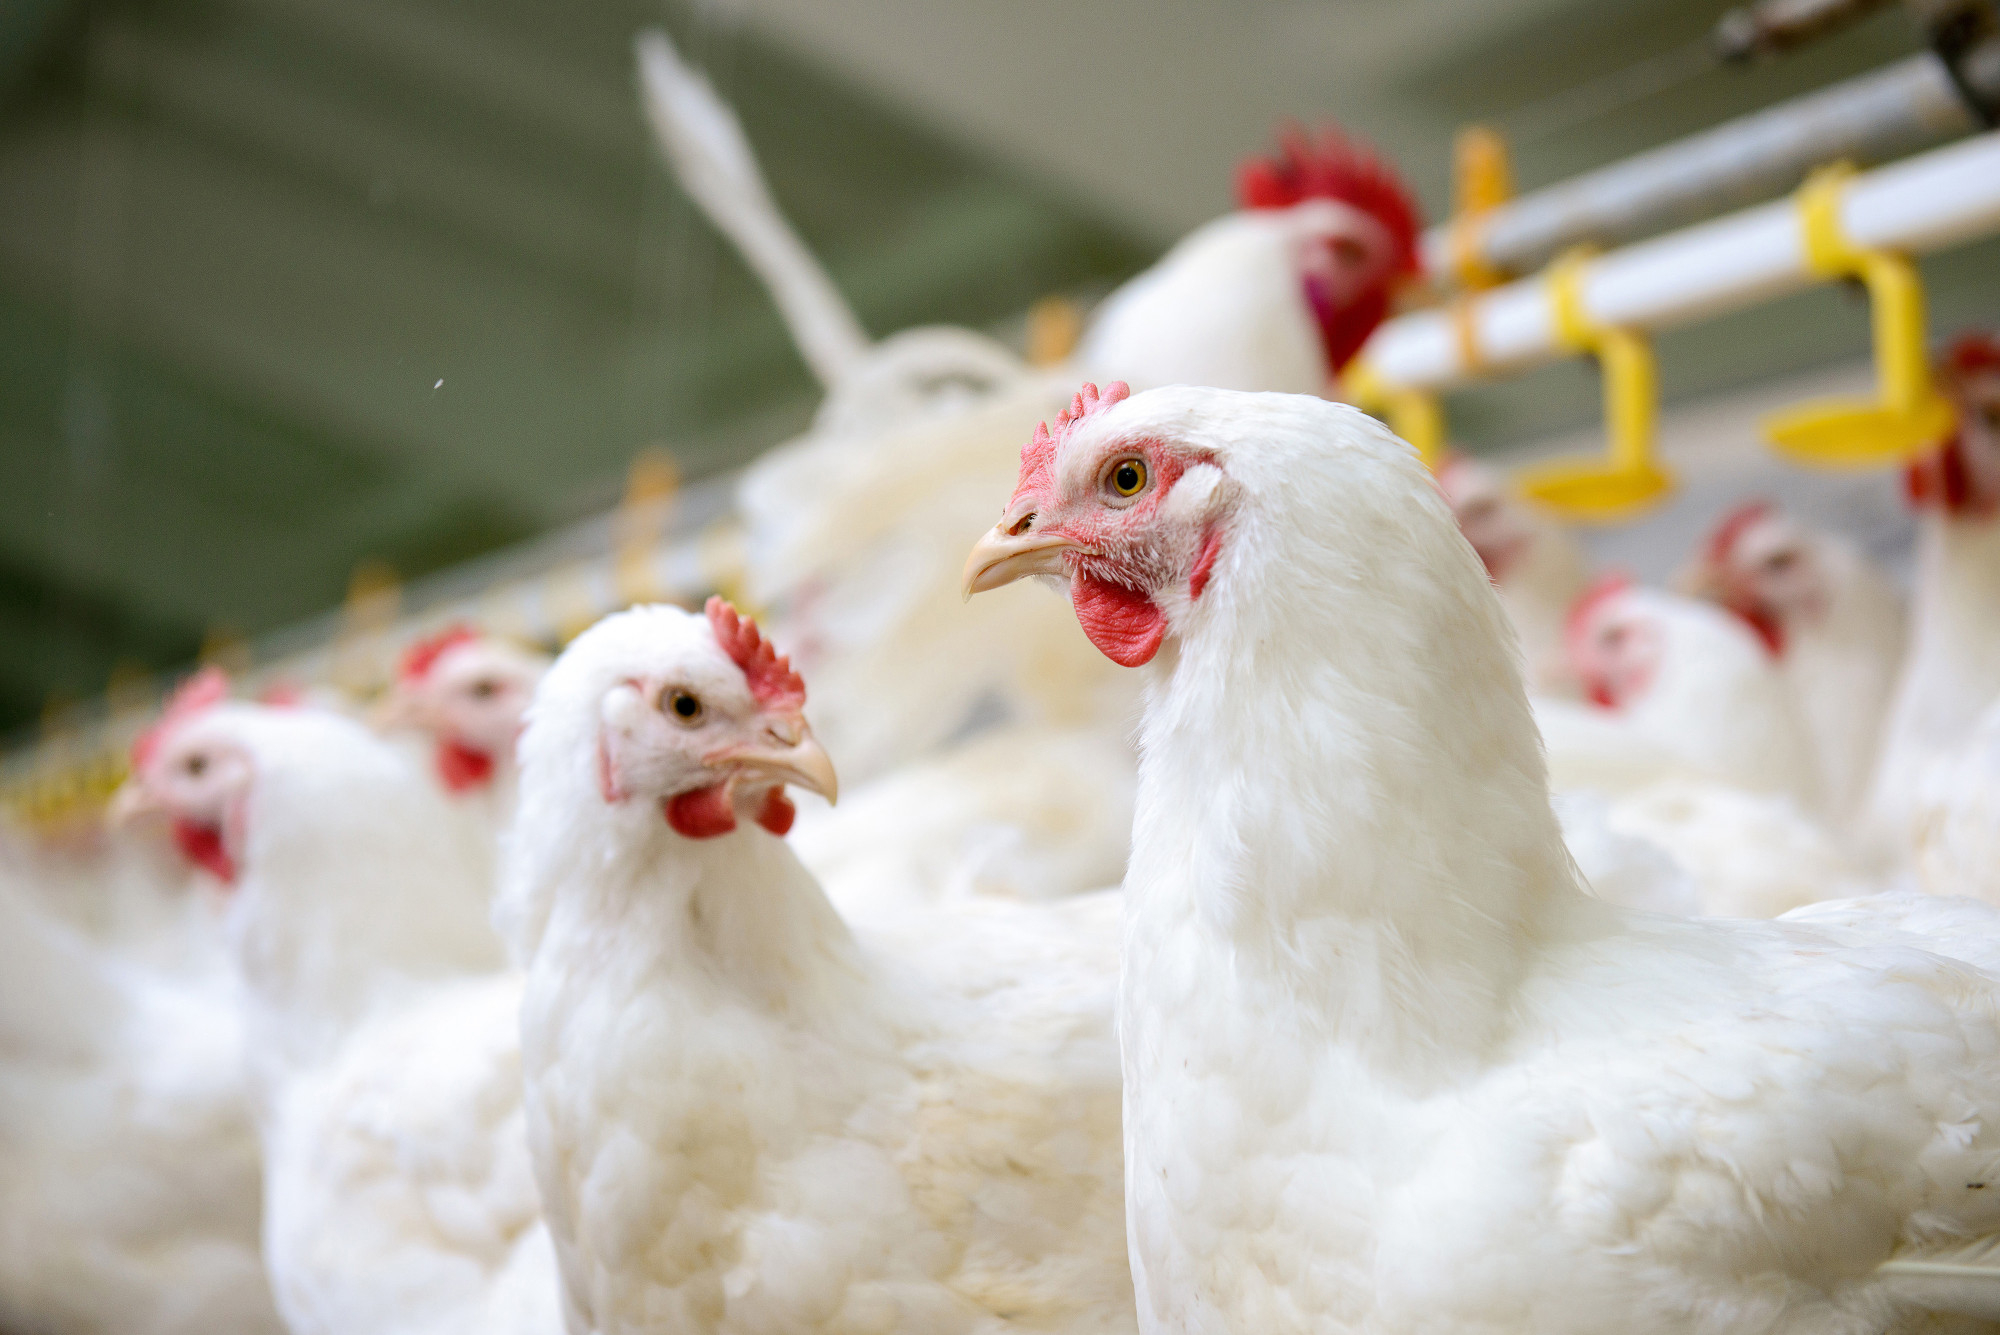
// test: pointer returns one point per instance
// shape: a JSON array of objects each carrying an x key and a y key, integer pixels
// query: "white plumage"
[
  {"x": 1385, "y": 1068},
  {"x": 382, "y": 1034},
  {"x": 748, "y": 1115},
  {"x": 1834, "y": 621},
  {"x": 129, "y": 1179},
  {"x": 1950, "y": 671}
]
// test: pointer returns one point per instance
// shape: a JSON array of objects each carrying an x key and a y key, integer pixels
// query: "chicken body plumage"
[
  {"x": 747, "y": 1115},
  {"x": 129, "y": 1178},
  {"x": 1834, "y": 620},
  {"x": 1950, "y": 673},
  {"x": 383, "y": 1039},
  {"x": 1386, "y": 1069}
]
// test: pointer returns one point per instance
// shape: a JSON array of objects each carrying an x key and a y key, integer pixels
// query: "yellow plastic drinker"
[
  {"x": 1908, "y": 414},
  {"x": 1414, "y": 415},
  {"x": 1627, "y": 478}
]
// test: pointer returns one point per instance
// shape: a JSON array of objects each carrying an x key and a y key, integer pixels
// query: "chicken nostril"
[{"x": 1021, "y": 525}]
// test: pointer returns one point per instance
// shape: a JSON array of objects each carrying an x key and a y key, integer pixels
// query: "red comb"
[
  {"x": 1038, "y": 456},
  {"x": 421, "y": 657},
  {"x": 1729, "y": 530},
  {"x": 204, "y": 690},
  {"x": 1338, "y": 168},
  {"x": 769, "y": 673}
]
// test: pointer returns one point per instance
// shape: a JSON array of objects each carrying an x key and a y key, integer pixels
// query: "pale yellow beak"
[
  {"x": 803, "y": 762},
  {"x": 1001, "y": 558},
  {"x": 129, "y": 803}
]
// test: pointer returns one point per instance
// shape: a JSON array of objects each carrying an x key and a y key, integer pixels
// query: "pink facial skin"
[
  {"x": 1614, "y": 653},
  {"x": 727, "y": 754},
  {"x": 198, "y": 788},
  {"x": 1739, "y": 577},
  {"x": 1121, "y": 557},
  {"x": 468, "y": 693}
]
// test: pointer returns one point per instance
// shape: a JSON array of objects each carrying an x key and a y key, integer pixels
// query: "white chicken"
[
  {"x": 1955, "y": 830},
  {"x": 1693, "y": 736},
  {"x": 464, "y": 693},
  {"x": 1539, "y": 568},
  {"x": 1951, "y": 671},
  {"x": 1834, "y": 621},
  {"x": 129, "y": 1178},
  {"x": 124, "y": 893},
  {"x": 1386, "y": 1068},
  {"x": 748, "y": 1115},
  {"x": 1674, "y": 687},
  {"x": 853, "y": 532},
  {"x": 398, "y": 1195}
]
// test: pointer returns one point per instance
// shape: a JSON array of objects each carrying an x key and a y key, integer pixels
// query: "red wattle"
[
  {"x": 202, "y": 845},
  {"x": 462, "y": 768},
  {"x": 1769, "y": 629},
  {"x": 701, "y": 814},
  {"x": 1125, "y": 625},
  {"x": 777, "y": 813}
]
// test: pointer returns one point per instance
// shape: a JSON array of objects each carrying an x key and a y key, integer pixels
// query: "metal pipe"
[
  {"x": 1928, "y": 202},
  {"x": 1873, "y": 117}
]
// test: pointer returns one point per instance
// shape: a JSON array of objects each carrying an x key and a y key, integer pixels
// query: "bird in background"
[
  {"x": 1834, "y": 621},
  {"x": 1386, "y": 1066},
  {"x": 382, "y": 1027},
  {"x": 129, "y": 1164},
  {"x": 464, "y": 692},
  {"x": 1950, "y": 671},
  {"x": 1537, "y": 565}
]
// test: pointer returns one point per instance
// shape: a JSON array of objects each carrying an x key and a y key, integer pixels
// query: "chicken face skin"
[
  {"x": 471, "y": 701},
  {"x": 695, "y": 737},
  {"x": 1614, "y": 648},
  {"x": 1132, "y": 525},
  {"x": 200, "y": 781},
  {"x": 1490, "y": 521}
]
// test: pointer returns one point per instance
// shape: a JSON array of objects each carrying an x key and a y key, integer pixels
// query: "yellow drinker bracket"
[
  {"x": 1628, "y": 478},
  {"x": 1414, "y": 415},
  {"x": 1908, "y": 414}
]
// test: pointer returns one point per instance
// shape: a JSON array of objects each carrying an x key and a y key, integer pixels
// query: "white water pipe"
[{"x": 1928, "y": 202}]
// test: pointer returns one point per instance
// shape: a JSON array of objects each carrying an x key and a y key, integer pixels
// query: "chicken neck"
[{"x": 1342, "y": 803}]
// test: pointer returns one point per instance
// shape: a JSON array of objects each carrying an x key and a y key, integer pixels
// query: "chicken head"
[
  {"x": 1491, "y": 520},
  {"x": 1614, "y": 646},
  {"x": 196, "y": 777},
  {"x": 1759, "y": 564},
  {"x": 710, "y": 732},
  {"x": 1355, "y": 231},
  {"x": 469, "y": 693},
  {"x": 1133, "y": 525}
]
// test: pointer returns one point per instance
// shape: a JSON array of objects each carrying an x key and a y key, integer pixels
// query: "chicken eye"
[
  {"x": 196, "y": 766},
  {"x": 485, "y": 688},
  {"x": 684, "y": 706},
  {"x": 1128, "y": 477}
]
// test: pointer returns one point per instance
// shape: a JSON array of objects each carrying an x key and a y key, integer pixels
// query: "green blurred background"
[{"x": 291, "y": 285}]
